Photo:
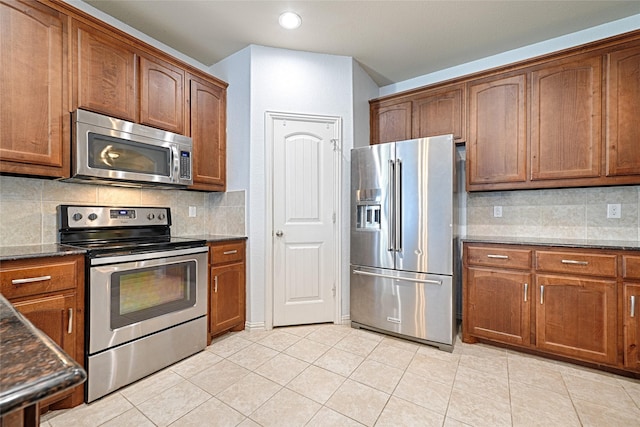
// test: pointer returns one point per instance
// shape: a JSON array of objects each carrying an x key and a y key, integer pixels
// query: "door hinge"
[
  {"x": 333, "y": 217},
  {"x": 334, "y": 289}
]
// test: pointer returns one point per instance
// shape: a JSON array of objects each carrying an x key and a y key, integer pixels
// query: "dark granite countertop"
[
  {"x": 213, "y": 238},
  {"x": 32, "y": 366},
  {"x": 566, "y": 243},
  {"x": 9, "y": 253}
]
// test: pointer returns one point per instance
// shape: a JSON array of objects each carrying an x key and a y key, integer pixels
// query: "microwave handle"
[{"x": 175, "y": 161}]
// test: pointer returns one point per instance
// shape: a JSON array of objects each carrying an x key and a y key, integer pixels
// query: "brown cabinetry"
[
  {"x": 565, "y": 119},
  {"x": 623, "y": 109},
  {"x": 208, "y": 130},
  {"x": 421, "y": 114},
  {"x": 554, "y": 301},
  {"x": 50, "y": 293},
  {"x": 497, "y": 146},
  {"x": 104, "y": 73},
  {"x": 162, "y": 95},
  {"x": 34, "y": 121},
  {"x": 227, "y": 287}
]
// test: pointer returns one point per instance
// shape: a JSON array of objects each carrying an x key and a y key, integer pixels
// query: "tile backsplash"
[
  {"x": 28, "y": 208},
  {"x": 573, "y": 213}
]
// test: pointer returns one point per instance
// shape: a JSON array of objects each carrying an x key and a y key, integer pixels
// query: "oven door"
[{"x": 132, "y": 296}]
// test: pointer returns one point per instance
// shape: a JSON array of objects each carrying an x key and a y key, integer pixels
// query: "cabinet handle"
[
  {"x": 497, "y": 256},
  {"x": 70, "y": 327},
  {"x": 541, "y": 294},
  {"x": 526, "y": 291},
  {"x": 235, "y": 251},
  {"x": 633, "y": 306},
  {"x": 574, "y": 262},
  {"x": 215, "y": 284},
  {"x": 30, "y": 280}
]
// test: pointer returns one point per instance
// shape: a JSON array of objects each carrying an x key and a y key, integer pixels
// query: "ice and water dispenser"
[{"x": 368, "y": 208}]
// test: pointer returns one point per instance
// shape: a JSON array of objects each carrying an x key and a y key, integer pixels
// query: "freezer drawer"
[{"x": 415, "y": 305}]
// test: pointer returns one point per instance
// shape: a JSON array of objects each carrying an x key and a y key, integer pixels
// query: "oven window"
[
  {"x": 144, "y": 293},
  {"x": 107, "y": 152}
]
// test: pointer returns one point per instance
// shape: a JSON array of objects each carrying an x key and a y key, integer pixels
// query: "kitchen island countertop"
[
  {"x": 567, "y": 243},
  {"x": 33, "y": 366}
]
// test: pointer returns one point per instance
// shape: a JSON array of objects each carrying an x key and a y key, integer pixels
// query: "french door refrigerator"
[{"x": 402, "y": 239}]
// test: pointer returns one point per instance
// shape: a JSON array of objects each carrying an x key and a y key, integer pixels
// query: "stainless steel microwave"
[{"x": 106, "y": 150}]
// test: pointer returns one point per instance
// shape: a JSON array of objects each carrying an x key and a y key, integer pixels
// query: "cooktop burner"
[{"x": 116, "y": 230}]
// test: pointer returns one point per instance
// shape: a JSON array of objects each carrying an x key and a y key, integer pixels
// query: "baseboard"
[
  {"x": 254, "y": 326},
  {"x": 346, "y": 319}
]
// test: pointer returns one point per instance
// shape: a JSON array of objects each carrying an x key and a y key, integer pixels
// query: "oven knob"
[
  {"x": 92, "y": 217},
  {"x": 150, "y": 216},
  {"x": 161, "y": 217},
  {"x": 77, "y": 216}
]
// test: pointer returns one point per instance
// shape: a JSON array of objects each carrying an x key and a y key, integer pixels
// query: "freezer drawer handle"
[
  {"x": 30, "y": 280},
  {"x": 574, "y": 262},
  {"x": 405, "y": 279},
  {"x": 498, "y": 256}
]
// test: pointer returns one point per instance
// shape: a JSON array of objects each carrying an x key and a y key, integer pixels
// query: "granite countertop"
[
  {"x": 33, "y": 367},
  {"x": 567, "y": 243},
  {"x": 9, "y": 253}
]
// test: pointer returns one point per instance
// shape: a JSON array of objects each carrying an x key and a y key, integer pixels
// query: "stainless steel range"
[{"x": 146, "y": 292}]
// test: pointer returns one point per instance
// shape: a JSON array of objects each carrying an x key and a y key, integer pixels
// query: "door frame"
[{"x": 270, "y": 118}]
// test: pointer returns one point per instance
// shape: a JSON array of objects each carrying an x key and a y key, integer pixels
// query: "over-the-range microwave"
[{"x": 107, "y": 150}]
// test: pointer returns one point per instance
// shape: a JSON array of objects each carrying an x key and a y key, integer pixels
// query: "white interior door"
[{"x": 304, "y": 242}]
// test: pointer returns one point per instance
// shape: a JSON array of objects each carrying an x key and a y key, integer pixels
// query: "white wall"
[
  {"x": 581, "y": 37},
  {"x": 296, "y": 82}
]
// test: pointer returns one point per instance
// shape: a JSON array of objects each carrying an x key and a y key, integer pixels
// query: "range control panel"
[{"x": 73, "y": 216}]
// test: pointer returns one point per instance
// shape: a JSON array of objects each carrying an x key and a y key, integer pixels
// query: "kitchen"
[{"x": 525, "y": 213}]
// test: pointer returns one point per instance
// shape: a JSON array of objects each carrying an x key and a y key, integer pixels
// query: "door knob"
[{"x": 279, "y": 233}]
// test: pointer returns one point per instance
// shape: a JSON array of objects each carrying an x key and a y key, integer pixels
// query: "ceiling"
[{"x": 392, "y": 40}]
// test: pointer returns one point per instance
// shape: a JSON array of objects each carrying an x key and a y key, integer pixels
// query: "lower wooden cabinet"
[
  {"x": 227, "y": 287},
  {"x": 631, "y": 315},
  {"x": 49, "y": 292},
  {"x": 498, "y": 305},
  {"x": 558, "y": 301}
]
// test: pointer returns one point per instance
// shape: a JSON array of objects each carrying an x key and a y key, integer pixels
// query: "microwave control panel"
[{"x": 185, "y": 165}]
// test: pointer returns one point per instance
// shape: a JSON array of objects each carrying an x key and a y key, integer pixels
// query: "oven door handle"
[{"x": 148, "y": 255}]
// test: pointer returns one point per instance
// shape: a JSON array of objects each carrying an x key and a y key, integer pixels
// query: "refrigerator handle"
[
  {"x": 398, "y": 207},
  {"x": 392, "y": 205},
  {"x": 402, "y": 279}
]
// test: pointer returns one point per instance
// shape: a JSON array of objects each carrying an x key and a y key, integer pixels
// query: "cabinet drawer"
[
  {"x": 228, "y": 252},
  {"x": 19, "y": 280},
  {"x": 499, "y": 256},
  {"x": 631, "y": 267},
  {"x": 577, "y": 263}
]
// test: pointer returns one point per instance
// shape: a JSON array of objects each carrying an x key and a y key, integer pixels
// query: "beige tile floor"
[{"x": 329, "y": 375}]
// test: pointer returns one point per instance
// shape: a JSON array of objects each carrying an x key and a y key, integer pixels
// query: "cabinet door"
[
  {"x": 33, "y": 71},
  {"x": 208, "y": 131},
  {"x": 565, "y": 120},
  {"x": 439, "y": 112},
  {"x": 162, "y": 95},
  {"x": 390, "y": 122},
  {"x": 104, "y": 74},
  {"x": 631, "y": 317},
  {"x": 498, "y": 305},
  {"x": 497, "y": 131},
  {"x": 576, "y": 317},
  {"x": 55, "y": 316},
  {"x": 623, "y": 110},
  {"x": 227, "y": 297}
]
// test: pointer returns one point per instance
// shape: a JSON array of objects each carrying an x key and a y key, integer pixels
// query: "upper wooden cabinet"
[
  {"x": 208, "y": 117},
  {"x": 497, "y": 146},
  {"x": 439, "y": 112},
  {"x": 390, "y": 121},
  {"x": 565, "y": 119},
  {"x": 426, "y": 113},
  {"x": 623, "y": 109},
  {"x": 162, "y": 95},
  {"x": 34, "y": 118},
  {"x": 104, "y": 73}
]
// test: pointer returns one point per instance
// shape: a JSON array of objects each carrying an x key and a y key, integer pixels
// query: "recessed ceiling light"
[{"x": 289, "y": 20}]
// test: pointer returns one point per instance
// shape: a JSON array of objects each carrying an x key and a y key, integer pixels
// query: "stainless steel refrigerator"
[{"x": 402, "y": 239}]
